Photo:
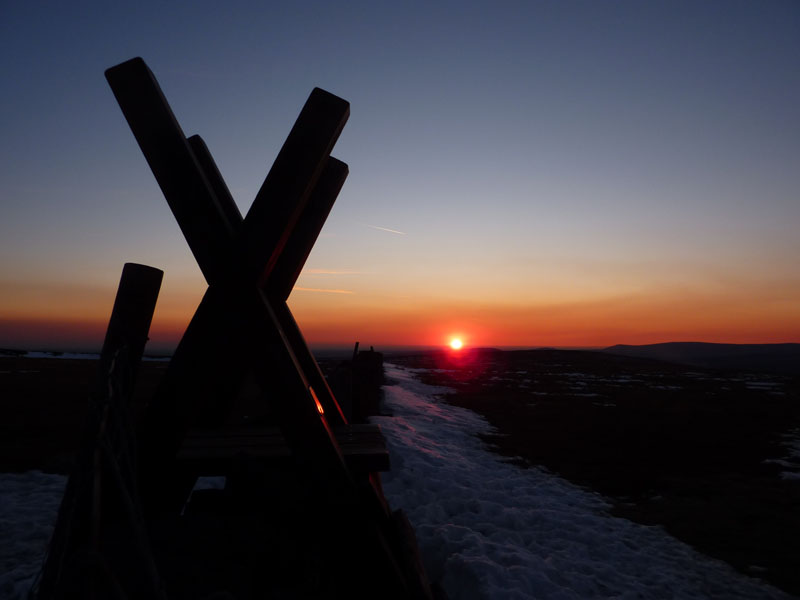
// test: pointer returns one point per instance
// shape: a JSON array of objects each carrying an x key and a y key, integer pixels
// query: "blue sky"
[{"x": 546, "y": 159}]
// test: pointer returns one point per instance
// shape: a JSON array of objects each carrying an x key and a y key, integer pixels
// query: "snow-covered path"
[
  {"x": 488, "y": 529},
  {"x": 28, "y": 506}
]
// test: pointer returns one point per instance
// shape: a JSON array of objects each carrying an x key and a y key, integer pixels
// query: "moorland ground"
[{"x": 701, "y": 452}]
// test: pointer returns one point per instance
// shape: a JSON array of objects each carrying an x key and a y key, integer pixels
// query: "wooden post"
[
  {"x": 130, "y": 318},
  {"x": 102, "y": 487},
  {"x": 173, "y": 164}
]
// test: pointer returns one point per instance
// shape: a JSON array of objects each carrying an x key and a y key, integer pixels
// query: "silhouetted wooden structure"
[
  {"x": 100, "y": 518},
  {"x": 302, "y": 513}
]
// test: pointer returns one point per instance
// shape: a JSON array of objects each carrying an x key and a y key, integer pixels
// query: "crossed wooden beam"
[{"x": 251, "y": 265}]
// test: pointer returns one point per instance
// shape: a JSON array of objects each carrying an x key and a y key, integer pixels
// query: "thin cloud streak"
[
  {"x": 385, "y": 229},
  {"x": 330, "y": 272},
  {"x": 322, "y": 291}
]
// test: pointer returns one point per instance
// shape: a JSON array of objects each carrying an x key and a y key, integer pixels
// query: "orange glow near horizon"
[
  {"x": 71, "y": 318},
  {"x": 587, "y": 325},
  {"x": 636, "y": 319}
]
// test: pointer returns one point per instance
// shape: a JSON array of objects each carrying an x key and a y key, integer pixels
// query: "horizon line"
[{"x": 342, "y": 347}]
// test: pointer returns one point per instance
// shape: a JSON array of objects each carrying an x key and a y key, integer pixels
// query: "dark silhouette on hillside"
[{"x": 768, "y": 358}]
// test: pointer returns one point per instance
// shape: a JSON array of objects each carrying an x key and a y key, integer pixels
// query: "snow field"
[
  {"x": 28, "y": 507},
  {"x": 488, "y": 529}
]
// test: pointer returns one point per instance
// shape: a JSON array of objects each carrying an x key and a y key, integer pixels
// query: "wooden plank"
[
  {"x": 287, "y": 269},
  {"x": 205, "y": 451},
  {"x": 308, "y": 363},
  {"x": 131, "y": 316},
  {"x": 200, "y": 375},
  {"x": 173, "y": 164},
  {"x": 283, "y": 195},
  {"x": 306, "y": 430},
  {"x": 307, "y": 230},
  {"x": 225, "y": 201}
]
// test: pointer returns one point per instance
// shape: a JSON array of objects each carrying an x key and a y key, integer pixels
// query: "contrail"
[
  {"x": 323, "y": 291},
  {"x": 386, "y": 229}
]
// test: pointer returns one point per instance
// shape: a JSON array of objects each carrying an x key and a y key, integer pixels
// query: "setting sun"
[{"x": 456, "y": 344}]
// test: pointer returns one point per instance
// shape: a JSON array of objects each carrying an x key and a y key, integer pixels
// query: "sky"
[{"x": 573, "y": 173}]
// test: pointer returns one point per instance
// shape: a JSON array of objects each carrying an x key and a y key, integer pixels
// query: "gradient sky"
[{"x": 521, "y": 173}]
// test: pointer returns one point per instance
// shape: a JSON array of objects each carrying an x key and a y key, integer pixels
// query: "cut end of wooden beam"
[
  {"x": 340, "y": 166},
  {"x": 144, "y": 269},
  {"x": 320, "y": 95},
  {"x": 136, "y": 62}
]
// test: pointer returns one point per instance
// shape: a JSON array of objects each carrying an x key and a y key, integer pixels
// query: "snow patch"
[
  {"x": 489, "y": 529},
  {"x": 28, "y": 506}
]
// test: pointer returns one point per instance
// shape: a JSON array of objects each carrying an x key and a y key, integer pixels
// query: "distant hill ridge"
[{"x": 772, "y": 358}]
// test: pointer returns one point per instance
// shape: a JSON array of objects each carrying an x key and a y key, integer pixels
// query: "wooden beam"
[
  {"x": 214, "y": 451},
  {"x": 229, "y": 209},
  {"x": 131, "y": 316},
  {"x": 308, "y": 363},
  {"x": 164, "y": 145},
  {"x": 298, "y": 246},
  {"x": 305, "y": 427},
  {"x": 283, "y": 195}
]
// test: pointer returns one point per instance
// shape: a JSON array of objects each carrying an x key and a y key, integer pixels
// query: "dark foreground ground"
[
  {"x": 244, "y": 541},
  {"x": 43, "y": 404},
  {"x": 682, "y": 447}
]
